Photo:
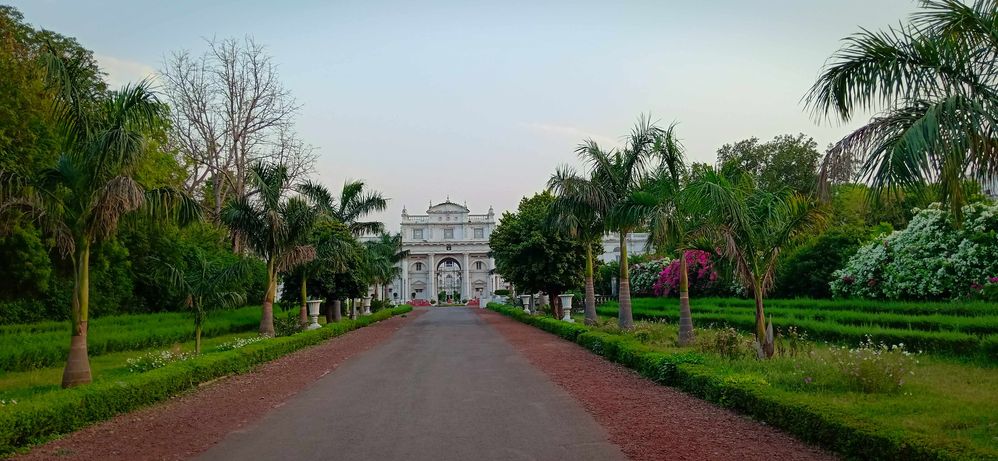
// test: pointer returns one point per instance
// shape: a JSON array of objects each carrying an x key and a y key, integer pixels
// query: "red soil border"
[
  {"x": 184, "y": 426},
  {"x": 646, "y": 420}
]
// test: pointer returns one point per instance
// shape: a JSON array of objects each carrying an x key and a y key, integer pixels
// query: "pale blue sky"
[{"x": 482, "y": 100}]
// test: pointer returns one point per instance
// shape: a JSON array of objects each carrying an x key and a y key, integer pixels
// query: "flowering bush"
[
  {"x": 873, "y": 367},
  {"x": 644, "y": 275},
  {"x": 930, "y": 259},
  {"x": 156, "y": 359},
  {"x": 239, "y": 343},
  {"x": 701, "y": 275}
]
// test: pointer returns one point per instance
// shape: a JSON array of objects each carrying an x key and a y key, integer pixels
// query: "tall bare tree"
[{"x": 230, "y": 111}]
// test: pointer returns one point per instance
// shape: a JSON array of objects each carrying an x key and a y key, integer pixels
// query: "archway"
[{"x": 449, "y": 279}]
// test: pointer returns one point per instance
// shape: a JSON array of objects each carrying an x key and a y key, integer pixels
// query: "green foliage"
[
  {"x": 35, "y": 420},
  {"x": 930, "y": 259},
  {"x": 932, "y": 328},
  {"x": 874, "y": 368},
  {"x": 849, "y": 430},
  {"x": 807, "y": 270},
  {"x": 41, "y": 345},
  {"x": 787, "y": 162},
  {"x": 27, "y": 268},
  {"x": 534, "y": 256}
]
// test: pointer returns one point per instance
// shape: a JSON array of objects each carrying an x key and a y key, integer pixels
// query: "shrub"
[
  {"x": 700, "y": 272},
  {"x": 289, "y": 325},
  {"x": 238, "y": 343},
  {"x": 807, "y": 270},
  {"x": 645, "y": 275},
  {"x": 157, "y": 359},
  {"x": 930, "y": 259},
  {"x": 873, "y": 368},
  {"x": 726, "y": 342}
]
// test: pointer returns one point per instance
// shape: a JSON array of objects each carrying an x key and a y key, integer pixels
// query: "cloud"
[
  {"x": 575, "y": 133},
  {"x": 122, "y": 71}
]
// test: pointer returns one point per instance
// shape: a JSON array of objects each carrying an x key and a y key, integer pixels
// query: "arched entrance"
[{"x": 449, "y": 279}]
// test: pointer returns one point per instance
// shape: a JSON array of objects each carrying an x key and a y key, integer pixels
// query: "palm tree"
[
  {"x": 614, "y": 176},
  {"x": 753, "y": 227},
  {"x": 674, "y": 218},
  {"x": 207, "y": 285},
  {"x": 385, "y": 253},
  {"x": 80, "y": 200},
  {"x": 333, "y": 252},
  {"x": 934, "y": 85},
  {"x": 274, "y": 228},
  {"x": 351, "y": 207},
  {"x": 583, "y": 219}
]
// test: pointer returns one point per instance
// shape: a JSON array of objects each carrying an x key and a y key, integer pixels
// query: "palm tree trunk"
[
  {"x": 625, "y": 318},
  {"x": 590, "y": 288},
  {"x": 760, "y": 321},
  {"x": 303, "y": 316},
  {"x": 267, "y": 316},
  {"x": 77, "y": 369},
  {"x": 685, "y": 316},
  {"x": 198, "y": 326}
]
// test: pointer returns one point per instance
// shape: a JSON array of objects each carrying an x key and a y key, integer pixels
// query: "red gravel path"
[
  {"x": 646, "y": 420},
  {"x": 185, "y": 426}
]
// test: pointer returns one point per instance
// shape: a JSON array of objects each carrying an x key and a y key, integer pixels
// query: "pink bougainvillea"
[{"x": 701, "y": 274}]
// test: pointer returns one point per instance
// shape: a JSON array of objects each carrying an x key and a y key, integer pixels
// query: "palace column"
[
  {"x": 433, "y": 278},
  {"x": 467, "y": 277},
  {"x": 403, "y": 292}
]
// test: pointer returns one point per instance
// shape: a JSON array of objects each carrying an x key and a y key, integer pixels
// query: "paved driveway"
[{"x": 446, "y": 387}]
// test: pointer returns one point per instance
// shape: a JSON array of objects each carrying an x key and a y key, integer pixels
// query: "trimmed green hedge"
[
  {"x": 37, "y": 420},
  {"x": 688, "y": 371},
  {"x": 941, "y": 342},
  {"x": 46, "y": 344}
]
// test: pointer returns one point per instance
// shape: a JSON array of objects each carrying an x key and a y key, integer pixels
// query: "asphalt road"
[{"x": 445, "y": 387}]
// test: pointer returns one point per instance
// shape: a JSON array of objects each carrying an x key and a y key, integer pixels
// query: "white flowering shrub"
[
  {"x": 156, "y": 359},
  {"x": 239, "y": 343},
  {"x": 930, "y": 259}
]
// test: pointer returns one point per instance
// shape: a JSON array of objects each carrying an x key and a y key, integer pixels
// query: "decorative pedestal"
[
  {"x": 313, "y": 313},
  {"x": 566, "y": 307},
  {"x": 526, "y": 303},
  {"x": 367, "y": 305}
]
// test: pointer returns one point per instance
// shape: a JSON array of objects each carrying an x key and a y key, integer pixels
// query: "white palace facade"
[{"x": 448, "y": 252}]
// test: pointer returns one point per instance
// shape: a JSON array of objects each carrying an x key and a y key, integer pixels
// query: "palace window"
[
  {"x": 419, "y": 266},
  {"x": 479, "y": 233},
  {"x": 449, "y": 233},
  {"x": 450, "y": 264},
  {"x": 417, "y": 234},
  {"x": 479, "y": 266}
]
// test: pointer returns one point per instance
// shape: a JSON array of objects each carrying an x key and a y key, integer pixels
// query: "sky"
[{"x": 480, "y": 101}]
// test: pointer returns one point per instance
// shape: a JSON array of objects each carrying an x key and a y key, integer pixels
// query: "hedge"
[
  {"x": 943, "y": 342},
  {"x": 36, "y": 420},
  {"x": 747, "y": 394},
  {"x": 31, "y": 346}
]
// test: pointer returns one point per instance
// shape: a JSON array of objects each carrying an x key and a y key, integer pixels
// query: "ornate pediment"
[{"x": 447, "y": 207}]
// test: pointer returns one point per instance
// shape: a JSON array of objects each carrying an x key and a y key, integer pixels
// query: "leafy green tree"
[
  {"x": 351, "y": 207},
  {"x": 207, "y": 285},
  {"x": 275, "y": 228},
  {"x": 787, "y": 162},
  {"x": 384, "y": 256},
  {"x": 534, "y": 256},
  {"x": 931, "y": 83},
  {"x": 753, "y": 227},
  {"x": 81, "y": 200},
  {"x": 807, "y": 271}
]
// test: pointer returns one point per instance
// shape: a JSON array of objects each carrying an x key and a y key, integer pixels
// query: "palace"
[{"x": 448, "y": 253}]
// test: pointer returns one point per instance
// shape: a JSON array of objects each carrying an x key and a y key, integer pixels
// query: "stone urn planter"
[
  {"x": 313, "y": 313},
  {"x": 566, "y": 307},
  {"x": 367, "y": 305},
  {"x": 526, "y": 303}
]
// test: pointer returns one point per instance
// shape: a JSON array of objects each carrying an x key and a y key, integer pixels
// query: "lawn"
[
  {"x": 948, "y": 402},
  {"x": 968, "y": 331},
  {"x": 44, "y": 345}
]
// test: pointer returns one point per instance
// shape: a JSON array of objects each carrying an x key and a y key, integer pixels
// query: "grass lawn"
[{"x": 948, "y": 401}]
